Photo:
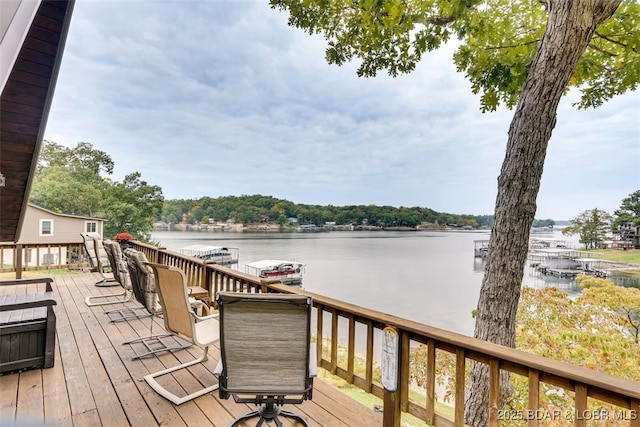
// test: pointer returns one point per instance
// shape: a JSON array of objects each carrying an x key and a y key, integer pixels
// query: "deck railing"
[
  {"x": 18, "y": 258},
  {"x": 347, "y": 337}
]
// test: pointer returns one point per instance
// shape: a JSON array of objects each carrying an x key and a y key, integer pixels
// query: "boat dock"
[
  {"x": 555, "y": 257},
  {"x": 218, "y": 254},
  {"x": 562, "y": 273}
]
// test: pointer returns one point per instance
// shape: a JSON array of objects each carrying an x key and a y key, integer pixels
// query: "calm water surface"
[{"x": 430, "y": 277}]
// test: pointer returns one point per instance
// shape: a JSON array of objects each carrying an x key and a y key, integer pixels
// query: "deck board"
[{"x": 94, "y": 382}]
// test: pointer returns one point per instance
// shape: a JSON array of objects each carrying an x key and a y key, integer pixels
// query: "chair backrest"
[
  {"x": 142, "y": 280},
  {"x": 264, "y": 343},
  {"x": 118, "y": 264},
  {"x": 101, "y": 257},
  {"x": 171, "y": 285},
  {"x": 89, "y": 248}
]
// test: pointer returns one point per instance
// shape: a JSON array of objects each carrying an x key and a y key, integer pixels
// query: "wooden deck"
[{"x": 94, "y": 382}]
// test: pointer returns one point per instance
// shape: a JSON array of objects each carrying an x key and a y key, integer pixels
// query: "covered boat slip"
[
  {"x": 223, "y": 255},
  {"x": 95, "y": 382},
  {"x": 287, "y": 272}
]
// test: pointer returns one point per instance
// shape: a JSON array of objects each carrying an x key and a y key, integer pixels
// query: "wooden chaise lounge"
[{"x": 27, "y": 326}]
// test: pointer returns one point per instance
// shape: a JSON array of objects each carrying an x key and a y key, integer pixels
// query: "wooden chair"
[
  {"x": 181, "y": 319},
  {"x": 266, "y": 357}
]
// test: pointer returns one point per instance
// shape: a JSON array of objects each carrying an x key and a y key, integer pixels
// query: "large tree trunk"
[{"x": 570, "y": 26}]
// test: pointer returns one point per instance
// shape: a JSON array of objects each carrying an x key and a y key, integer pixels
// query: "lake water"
[{"x": 430, "y": 277}]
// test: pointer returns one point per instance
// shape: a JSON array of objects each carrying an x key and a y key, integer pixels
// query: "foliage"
[
  {"x": 128, "y": 206},
  {"x": 498, "y": 42},
  {"x": 592, "y": 226},
  {"x": 598, "y": 330},
  {"x": 591, "y": 330},
  {"x": 259, "y": 208},
  {"x": 623, "y": 301},
  {"x": 543, "y": 223},
  {"x": 63, "y": 171},
  {"x": 629, "y": 211},
  {"x": 131, "y": 206}
]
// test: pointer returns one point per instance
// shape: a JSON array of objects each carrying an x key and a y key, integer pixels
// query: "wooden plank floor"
[{"x": 94, "y": 382}]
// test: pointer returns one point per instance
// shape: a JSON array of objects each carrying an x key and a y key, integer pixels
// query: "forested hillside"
[{"x": 258, "y": 208}]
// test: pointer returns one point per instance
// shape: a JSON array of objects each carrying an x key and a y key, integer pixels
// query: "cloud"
[{"x": 224, "y": 98}]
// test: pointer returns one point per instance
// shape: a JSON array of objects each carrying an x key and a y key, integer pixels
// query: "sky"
[{"x": 218, "y": 98}]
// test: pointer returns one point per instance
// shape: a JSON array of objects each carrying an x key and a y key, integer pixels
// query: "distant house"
[
  {"x": 42, "y": 226},
  {"x": 629, "y": 236}
]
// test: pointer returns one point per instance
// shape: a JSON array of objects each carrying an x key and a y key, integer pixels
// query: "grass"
[
  {"x": 371, "y": 401},
  {"x": 628, "y": 257}
]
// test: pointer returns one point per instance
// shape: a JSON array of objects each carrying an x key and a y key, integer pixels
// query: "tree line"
[
  {"x": 258, "y": 208},
  {"x": 133, "y": 204}
]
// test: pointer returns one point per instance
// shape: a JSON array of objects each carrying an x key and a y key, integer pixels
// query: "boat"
[
  {"x": 287, "y": 272},
  {"x": 481, "y": 248},
  {"x": 218, "y": 254}
]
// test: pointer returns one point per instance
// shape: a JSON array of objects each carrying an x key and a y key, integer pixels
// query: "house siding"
[{"x": 66, "y": 229}]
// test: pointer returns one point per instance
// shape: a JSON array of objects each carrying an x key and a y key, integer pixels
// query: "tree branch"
[
  {"x": 512, "y": 45},
  {"x": 619, "y": 43}
]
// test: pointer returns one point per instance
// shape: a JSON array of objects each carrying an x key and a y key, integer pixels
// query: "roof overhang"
[{"x": 33, "y": 35}]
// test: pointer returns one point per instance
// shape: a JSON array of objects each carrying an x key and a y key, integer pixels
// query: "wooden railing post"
[
  {"x": 494, "y": 392},
  {"x": 534, "y": 397},
  {"x": 431, "y": 383},
  {"x": 460, "y": 386},
  {"x": 391, "y": 377},
  {"x": 18, "y": 261},
  {"x": 391, "y": 415}
]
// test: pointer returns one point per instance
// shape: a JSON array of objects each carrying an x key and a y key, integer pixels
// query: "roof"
[
  {"x": 33, "y": 35},
  {"x": 203, "y": 250},
  {"x": 270, "y": 263},
  {"x": 33, "y": 205}
]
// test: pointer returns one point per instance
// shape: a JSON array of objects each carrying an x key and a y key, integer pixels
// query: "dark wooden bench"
[{"x": 27, "y": 326}]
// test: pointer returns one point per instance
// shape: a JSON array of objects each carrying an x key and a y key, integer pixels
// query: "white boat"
[
  {"x": 481, "y": 248},
  {"x": 218, "y": 254},
  {"x": 288, "y": 272}
]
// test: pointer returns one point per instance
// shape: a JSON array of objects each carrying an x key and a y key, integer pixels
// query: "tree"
[
  {"x": 129, "y": 206},
  {"x": 592, "y": 226},
  {"x": 543, "y": 223},
  {"x": 62, "y": 171},
  {"x": 628, "y": 213},
  {"x": 512, "y": 56}
]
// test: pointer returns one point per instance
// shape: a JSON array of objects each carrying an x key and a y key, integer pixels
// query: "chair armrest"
[
  {"x": 313, "y": 360},
  {"x": 201, "y": 318},
  {"x": 40, "y": 299},
  {"x": 29, "y": 281},
  {"x": 217, "y": 371}
]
